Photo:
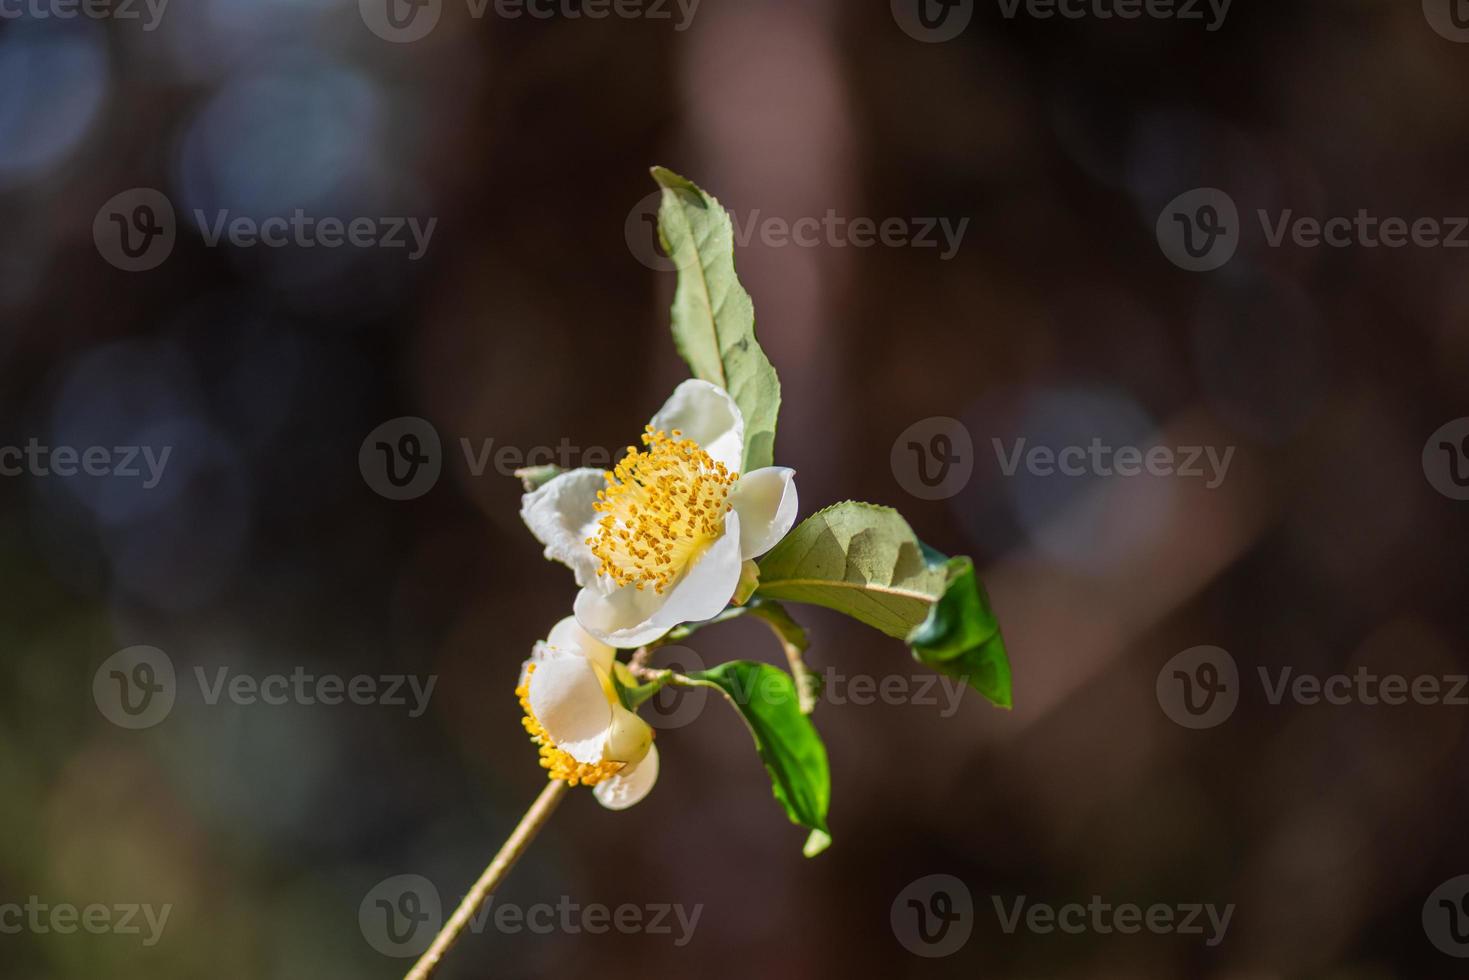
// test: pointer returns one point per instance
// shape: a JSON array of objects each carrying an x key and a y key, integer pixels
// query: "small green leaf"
[
  {"x": 632, "y": 694},
  {"x": 749, "y": 579},
  {"x": 713, "y": 316},
  {"x": 865, "y": 561},
  {"x": 961, "y": 636},
  {"x": 535, "y": 477},
  {"x": 787, "y": 742}
]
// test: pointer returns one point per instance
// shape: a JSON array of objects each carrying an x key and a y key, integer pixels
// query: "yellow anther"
[
  {"x": 557, "y": 762},
  {"x": 662, "y": 507}
]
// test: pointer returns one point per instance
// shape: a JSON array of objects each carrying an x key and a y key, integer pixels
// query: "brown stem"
[
  {"x": 510, "y": 852},
  {"x": 638, "y": 663}
]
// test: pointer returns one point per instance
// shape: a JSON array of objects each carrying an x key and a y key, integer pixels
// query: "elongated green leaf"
[
  {"x": 865, "y": 561},
  {"x": 787, "y": 742},
  {"x": 713, "y": 316}
]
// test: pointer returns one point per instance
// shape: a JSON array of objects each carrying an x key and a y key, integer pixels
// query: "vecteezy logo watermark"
[
  {"x": 136, "y": 231},
  {"x": 1103, "y": 918},
  {"x": 401, "y": 21},
  {"x": 1449, "y": 18},
  {"x": 1099, "y": 459},
  {"x": 403, "y": 458},
  {"x": 1199, "y": 688},
  {"x": 149, "y": 11},
  {"x": 933, "y": 916},
  {"x": 64, "y": 919},
  {"x": 933, "y": 458},
  {"x": 399, "y": 917},
  {"x": 1214, "y": 11},
  {"x": 1199, "y": 230},
  {"x": 1446, "y": 917},
  {"x": 118, "y": 462},
  {"x": 1446, "y": 459},
  {"x": 674, "y": 708},
  {"x": 831, "y": 230},
  {"x": 404, "y": 21},
  {"x": 932, "y": 21},
  {"x": 137, "y": 687}
]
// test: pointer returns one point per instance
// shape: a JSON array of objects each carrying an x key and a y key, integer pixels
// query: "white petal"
[
  {"x": 567, "y": 698},
  {"x": 628, "y": 618},
  {"x": 630, "y": 785},
  {"x": 622, "y": 617},
  {"x": 567, "y": 635},
  {"x": 560, "y": 515},
  {"x": 538, "y": 655},
  {"x": 706, "y": 414},
  {"x": 766, "y": 502}
]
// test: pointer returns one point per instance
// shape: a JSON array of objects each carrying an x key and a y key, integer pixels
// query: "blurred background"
[{"x": 138, "y": 313}]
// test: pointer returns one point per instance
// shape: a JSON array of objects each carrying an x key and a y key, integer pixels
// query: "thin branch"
[{"x": 510, "y": 852}]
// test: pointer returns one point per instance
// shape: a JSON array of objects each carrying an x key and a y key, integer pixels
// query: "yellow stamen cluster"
[
  {"x": 557, "y": 762},
  {"x": 662, "y": 507}
]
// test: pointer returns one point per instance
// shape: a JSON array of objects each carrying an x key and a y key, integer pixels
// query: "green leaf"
[
  {"x": 632, "y": 694},
  {"x": 865, "y": 561},
  {"x": 859, "y": 559},
  {"x": 961, "y": 636},
  {"x": 794, "y": 641},
  {"x": 787, "y": 742},
  {"x": 713, "y": 316},
  {"x": 535, "y": 477}
]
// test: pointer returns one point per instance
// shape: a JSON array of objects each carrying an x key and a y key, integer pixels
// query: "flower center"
[
  {"x": 662, "y": 507},
  {"x": 557, "y": 761}
]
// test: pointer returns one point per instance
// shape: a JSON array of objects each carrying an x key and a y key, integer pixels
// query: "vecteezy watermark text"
[
  {"x": 136, "y": 230},
  {"x": 121, "y": 462},
  {"x": 934, "y": 21},
  {"x": 406, "y": 21},
  {"x": 1200, "y": 230},
  {"x": 400, "y": 916},
  {"x": 830, "y": 230},
  {"x": 137, "y": 687},
  {"x": 1100, "y": 459},
  {"x": 934, "y": 917},
  {"x": 1200, "y": 687},
  {"x": 403, "y": 458},
  {"x": 123, "y": 10},
  {"x": 305, "y": 231},
  {"x": 64, "y": 919},
  {"x": 1104, "y": 918},
  {"x": 1214, "y": 11}
]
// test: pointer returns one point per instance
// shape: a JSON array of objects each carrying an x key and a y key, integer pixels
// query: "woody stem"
[{"x": 510, "y": 852}]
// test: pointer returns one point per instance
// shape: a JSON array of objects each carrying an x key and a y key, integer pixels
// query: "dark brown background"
[{"x": 530, "y": 321}]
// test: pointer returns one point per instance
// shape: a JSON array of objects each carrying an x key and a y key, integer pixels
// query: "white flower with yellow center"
[
  {"x": 660, "y": 540},
  {"x": 572, "y": 712}
]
